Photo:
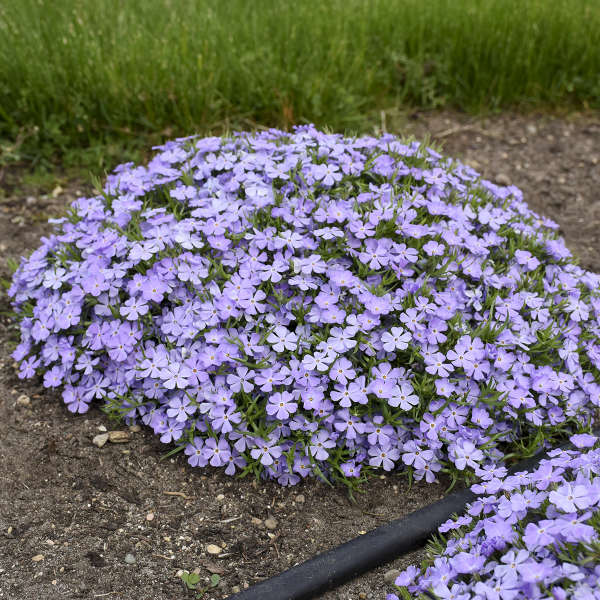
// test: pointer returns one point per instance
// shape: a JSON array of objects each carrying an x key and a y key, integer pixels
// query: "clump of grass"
[{"x": 82, "y": 71}]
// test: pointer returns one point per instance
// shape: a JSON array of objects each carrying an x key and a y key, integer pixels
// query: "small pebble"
[
  {"x": 130, "y": 559},
  {"x": 213, "y": 549},
  {"x": 102, "y": 428},
  {"x": 150, "y": 516},
  {"x": 255, "y": 521},
  {"x": 118, "y": 437},
  {"x": 220, "y": 497},
  {"x": 135, "y": 428},
  {"x": 502, "y": 179},
  {"x": 23, "y": 400},
  {"x": 100, "y": 439},
  {"x": 271, "y": 523},
  {"x": 300, "y": 498},
  {"x": 236, "y": 589},
  {"x": 37, "y": 557},
  {"x": 391, "y": 576}
]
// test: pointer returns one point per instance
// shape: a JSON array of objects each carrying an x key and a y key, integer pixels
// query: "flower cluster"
[
  {"x": 294, "y": 304},
  {"x": 529, "y": 535}
]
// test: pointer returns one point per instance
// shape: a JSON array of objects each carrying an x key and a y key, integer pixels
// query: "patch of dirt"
[
  {"x": 555, "y": 161},
  {"x": 71, "y": 513}
]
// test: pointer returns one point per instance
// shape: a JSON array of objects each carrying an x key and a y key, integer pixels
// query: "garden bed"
[{"x": 67, "y": 504}]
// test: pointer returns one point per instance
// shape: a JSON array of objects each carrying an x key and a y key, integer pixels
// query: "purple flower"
[
  {"x": 383, "y": 456},
  {"x": 583, "y": 440},
  {"x": 54, "y": 377},
  {"x": 194, "y": 451},
  {"x": 353, "y": 300},
  {"x": 465, "y": 453},
  {"x": 265, "y": 451},
  {"x": 153, "y": 289},
  {"x": 281, "y": 339},
  {"x": 133, "y": 308},
  {"x": 395, "y": 339},
  {"x": 569, "y": 498},
  {"x": 540, "y": 534},
  {"x": 176, "y": 376},
  {"x": 73, "y": 399},
  {"x": 320, "y": 442},
  {"x": 180, "y": 409},
  {"x": 341, "y": 371},
  {"x": 407, "y": 576},
  {"x": 241, "y": 380},
  {"x": 514, "y": 543},
  {"x": 217, "y": 452},
  {"x": 281, "y": 405},
  {"x": 351, "y": 469},
  {"x": 465, "y": 562},
  {"x": 28, "y": 367}
]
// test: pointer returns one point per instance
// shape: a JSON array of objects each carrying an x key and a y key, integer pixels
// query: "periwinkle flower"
[
  {"x": 314, "y": 301},
  {"x": 521, "y": 546}
]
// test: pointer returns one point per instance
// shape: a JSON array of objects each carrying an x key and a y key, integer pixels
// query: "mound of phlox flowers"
[
  {"x": 529, "y": 535},
  {"x": 294, "y": 304}
]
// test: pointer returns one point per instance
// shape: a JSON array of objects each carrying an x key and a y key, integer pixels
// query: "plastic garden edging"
[{"x": 361, "y": 554}]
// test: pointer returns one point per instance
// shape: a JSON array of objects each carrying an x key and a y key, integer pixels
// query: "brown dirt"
[{"x": 84, "y": 508}]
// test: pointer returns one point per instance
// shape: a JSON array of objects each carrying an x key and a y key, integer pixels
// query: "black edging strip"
[{"x": 363, "y": 553}]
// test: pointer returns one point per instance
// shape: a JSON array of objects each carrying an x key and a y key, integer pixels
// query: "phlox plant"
[
  {"x": 528, "y": 535},
  {"x": 301, "y": 304}
]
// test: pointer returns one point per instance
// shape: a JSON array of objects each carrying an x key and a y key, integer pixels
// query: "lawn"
[{"x": 75, "y": 73}]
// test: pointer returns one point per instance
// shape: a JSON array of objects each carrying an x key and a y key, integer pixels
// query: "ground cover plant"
[
  {"x": 113, "y": 70},
  {"x": 308, "y": 304},
  {"x": 529, "y": 535}
]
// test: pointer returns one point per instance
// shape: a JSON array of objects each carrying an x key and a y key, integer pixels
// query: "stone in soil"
[
  {"x": 23, "y": 400},
  {"x": 100, "y": 439},
  {"x": 119, "y": 437},
  {"x": 391, "y": 576}
]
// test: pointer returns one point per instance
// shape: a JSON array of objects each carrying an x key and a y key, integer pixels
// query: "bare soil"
[{"x": 71, "y": 512}]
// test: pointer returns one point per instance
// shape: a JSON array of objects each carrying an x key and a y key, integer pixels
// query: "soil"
[{"x": 79, "y": 521}]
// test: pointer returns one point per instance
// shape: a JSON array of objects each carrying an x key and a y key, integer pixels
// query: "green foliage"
[
  {"x": 111, "y": 69},
  {"x": 192, "y": 581}
]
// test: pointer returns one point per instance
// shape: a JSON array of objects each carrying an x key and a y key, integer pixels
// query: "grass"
[{"x": 76, "y": 74}]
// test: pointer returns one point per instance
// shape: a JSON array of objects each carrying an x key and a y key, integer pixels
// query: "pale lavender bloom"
[
  {"x": 396, "y": 339},
  {"x": 320, "y": 442},
  {"x": 266, "y": 451},
  {"x": 268, "y": 281},
  {"x": 281, "y": 339}
]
